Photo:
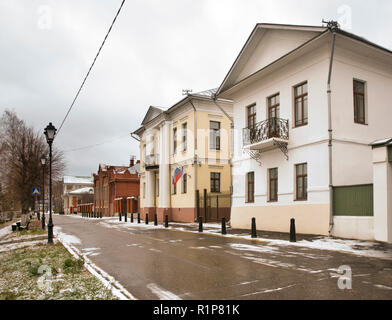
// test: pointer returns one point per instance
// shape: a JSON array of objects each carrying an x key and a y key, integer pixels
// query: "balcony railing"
[
  {"x": 152, "y": 160},
  {"x": 267, "y": 129}
]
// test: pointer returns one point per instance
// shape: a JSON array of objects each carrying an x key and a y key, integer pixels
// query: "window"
[
  {"x": 273, "y": 184},
  {"x": 251, "y": 113},
  {"x": 214, "y": 135},
  {"x": 184, "y": 136},
  {"x": 301, "y": 104},
  {"x": 273, "y": 114},
  {"x": 250, "y": 182},
  {"x": 359, "y": 102},
  {"x": 174, "y": 140},
  {"x": 184, "y": 182},
  {"x": 215, "y": 182},
  {"x": 301, "y": 172}
]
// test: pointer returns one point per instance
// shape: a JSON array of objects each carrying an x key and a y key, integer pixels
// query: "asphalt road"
[{"x": 168, "y": 264}]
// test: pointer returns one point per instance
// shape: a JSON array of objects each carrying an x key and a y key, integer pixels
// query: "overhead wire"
[{"x": 89, "y": 70}]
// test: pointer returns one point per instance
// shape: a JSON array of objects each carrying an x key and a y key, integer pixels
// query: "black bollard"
[
  {"x": 125, "y": 216},
  {"x": 200, "y": 224},
  {"x": 166, "y": 221},
  {"x": 293, "y": 237},
  {"x": 146, "y": 218},
  {"x": 119, "y": 216},
  {"x": 254, "y": 233},
  {"x": 131, "y": 217},
  {"x": 223, "y": 225},
  {"x": 138, "y": 218},
  {"x": 155, "y": 219}
]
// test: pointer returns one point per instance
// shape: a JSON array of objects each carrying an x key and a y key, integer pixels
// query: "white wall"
[{"x": 353, "y": 227}]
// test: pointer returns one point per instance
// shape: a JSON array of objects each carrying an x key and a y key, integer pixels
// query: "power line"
[
  {"x": 85, "y": 78},
  {"x": 97, "y": 144}
]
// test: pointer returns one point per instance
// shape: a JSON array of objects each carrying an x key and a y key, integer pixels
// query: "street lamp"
[
  {"x": 43, "y": 162},
  {"x": 50, "y": 132}
]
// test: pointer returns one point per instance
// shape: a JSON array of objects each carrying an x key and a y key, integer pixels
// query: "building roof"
[
  {"x": 86, "y": 190},
  {"x": 249, "y": 46},
  {"x": 88, "y": 180},
  {"x": 154, "y": 112},
  {"x": 381, "y": 143}
]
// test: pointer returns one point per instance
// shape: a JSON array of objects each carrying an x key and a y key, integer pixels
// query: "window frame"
[
  {"x": 304, "y": 196},
  {"x": 215, "y": 143},
  {"x": 215, "y": 177},
  {"x": 270, "y": 181},
  {"x": 356, "y": 107},
  {"x": 184, "y": 185},
  {"x": 251, "y": 117},
  {"x": 248, "y": 183},
  {"x": 301, "y": 96},
  {"x": 175, "y": 140},
  {"x": 184, "y": 129}
]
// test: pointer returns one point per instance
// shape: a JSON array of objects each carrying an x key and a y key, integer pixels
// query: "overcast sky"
[{"x": 156, "y": 49}]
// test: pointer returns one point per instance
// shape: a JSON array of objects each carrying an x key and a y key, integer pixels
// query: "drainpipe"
[
  {"x": 332, "y": 27},
  {"x": 196, "y": 150}
]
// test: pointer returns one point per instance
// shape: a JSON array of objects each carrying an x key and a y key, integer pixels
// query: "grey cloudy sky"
[{"x": 156, "y": 49}]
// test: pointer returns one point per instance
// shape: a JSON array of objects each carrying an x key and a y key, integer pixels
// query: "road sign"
[{"x": 36, "y": 191}]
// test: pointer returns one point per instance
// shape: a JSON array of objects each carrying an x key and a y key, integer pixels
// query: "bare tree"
[{"x": 20, "y": 167}]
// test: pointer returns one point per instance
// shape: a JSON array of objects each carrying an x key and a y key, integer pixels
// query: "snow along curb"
[{"x": 107, "y": 280}]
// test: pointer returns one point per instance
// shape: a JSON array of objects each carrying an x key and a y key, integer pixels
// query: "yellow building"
[{"x": 185, "y": 154}]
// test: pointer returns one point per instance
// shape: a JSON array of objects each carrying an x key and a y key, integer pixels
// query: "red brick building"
[{"x": 113, "y": 182}]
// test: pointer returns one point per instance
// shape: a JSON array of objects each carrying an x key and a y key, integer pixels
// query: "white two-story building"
[{"x": 307, "y": 103}]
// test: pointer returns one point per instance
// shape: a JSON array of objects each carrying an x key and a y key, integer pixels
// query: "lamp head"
[{"x": 50, "y": 132}]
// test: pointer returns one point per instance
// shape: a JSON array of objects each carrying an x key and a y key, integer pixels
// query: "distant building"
[
  {"x": 114, "y": 182},
  {"x": 77, "y": 190},
  {"x": 185, "y": 154}
]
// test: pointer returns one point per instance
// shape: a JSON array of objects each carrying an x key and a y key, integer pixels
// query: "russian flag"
[{"x": 177, "y": 175}]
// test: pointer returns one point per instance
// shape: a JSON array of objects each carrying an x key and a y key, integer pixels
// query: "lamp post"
[
  {"x": 50, "y": 132},
  {"x": 43, "y": 162}
]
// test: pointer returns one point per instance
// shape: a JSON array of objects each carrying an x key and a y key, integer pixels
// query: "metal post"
[
  {"x": 223, "y": 225},
  {"x": 146, "y": 218},
  {"x": 131, "y": 217},
  {"x": 119, "y": 216},
  {"x": 43, "y": 197},
  {"x": 155, "y": 219},
  {"x": 197, "y": 203},
  {"x": 138, "y": 218},
  {"x": 200, "y": 224},
  {"x": 217, "y": 208},
  {"x": 124, "y": 208},
  {"x": 50, "y": 224},
  {"x": 254, "y": 233},
  {"x": 166, "y": 221},
  {"x": 205, "y": 205},
  {"x": 293, "y": 237}
]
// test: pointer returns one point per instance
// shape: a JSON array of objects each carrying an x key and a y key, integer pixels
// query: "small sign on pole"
[{"x": 36, "y": 191}]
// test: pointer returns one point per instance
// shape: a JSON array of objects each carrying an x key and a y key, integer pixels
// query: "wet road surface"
[{"x": 158, "y": 263}]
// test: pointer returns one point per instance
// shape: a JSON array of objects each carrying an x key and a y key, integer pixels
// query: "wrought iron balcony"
[
  {"x": 152, "y": 161},
  {"x": 265, "y": 130}
]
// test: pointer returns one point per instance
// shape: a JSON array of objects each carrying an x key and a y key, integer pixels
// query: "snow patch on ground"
[
  {"x": 13, "y": 246},
  {"x": 161, "y": 293},
  {"x": 5, "y": 231}
]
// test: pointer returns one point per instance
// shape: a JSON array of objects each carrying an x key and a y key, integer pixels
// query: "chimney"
[{"x": 132, "y": 161}]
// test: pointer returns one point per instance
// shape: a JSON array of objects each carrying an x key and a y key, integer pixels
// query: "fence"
[
  {"x": 353, "y": 200},
  {"x": 212, "y": 207}
]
